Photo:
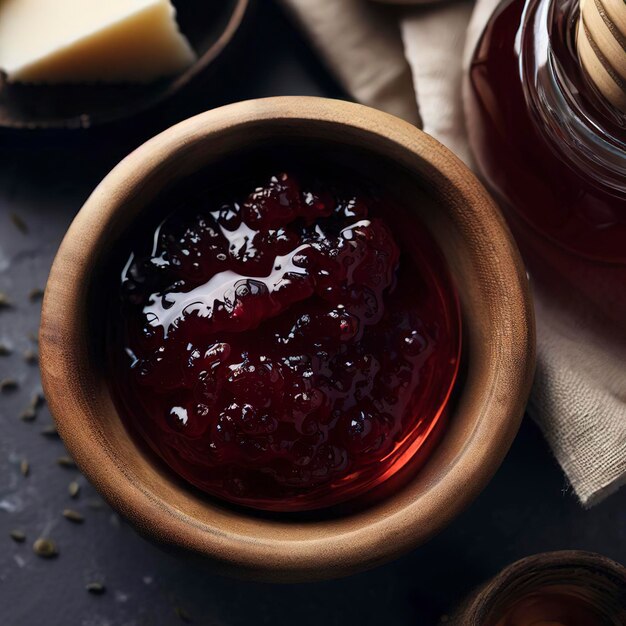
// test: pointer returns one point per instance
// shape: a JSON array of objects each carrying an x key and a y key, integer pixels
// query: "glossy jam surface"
[
  {"x": 283, "y": 348},
  {"x": 537, "y": 126}
]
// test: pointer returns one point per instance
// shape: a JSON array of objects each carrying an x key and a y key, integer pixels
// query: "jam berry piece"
[
  {"x": 364, "y": 431},
  {"x": 307, "y": 409},
  {"x": 253, "y": 448},
  {"x": 317, "y": 204},
  {"x": 413, "y": 343},
  {"x": 255, "y": 381},
  {"x": 328, "y": 460},
  {"x": 192, "y": 421},
  {"x": 229, "y": 216},
  {"x": 302, "y": 452},
  {"x": 353, "y": 208},
  {"x": 247, "y": 420},
  {"x": 279, "y": 241},
  {"x": 274, "y": 204}
]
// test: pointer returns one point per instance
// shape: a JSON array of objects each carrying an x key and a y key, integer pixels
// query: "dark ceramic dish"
[{"x": 209, "y": 26}]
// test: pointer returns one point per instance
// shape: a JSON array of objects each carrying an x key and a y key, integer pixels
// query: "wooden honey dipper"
[{"x": 602, "y": 47}]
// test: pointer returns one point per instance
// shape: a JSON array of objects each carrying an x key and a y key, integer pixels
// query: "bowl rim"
[{"x": 296, "y": 552}]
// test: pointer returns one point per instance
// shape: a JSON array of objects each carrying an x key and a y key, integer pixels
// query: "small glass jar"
[{"x": 568, "y": 587}]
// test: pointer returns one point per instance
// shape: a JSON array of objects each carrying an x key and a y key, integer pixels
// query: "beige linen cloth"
[{"x": 409, "y": 61}]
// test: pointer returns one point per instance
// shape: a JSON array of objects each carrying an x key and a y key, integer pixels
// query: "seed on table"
[
  {"x": 31, "y": 357},
  {"x": 50, "y": 431},
  {"x": 8, "y": 384},
  {"x": 183, "y": 615},
  {"x": 35, "y": 294},
  {"x": 28, "y": 414},
  {"x": 45, "y": 548},
  {"x": 37, "y": 400},
  {"x": 18, "y": 536},
  {"x": 24, "y": 467},
  {"x": 4, "y": 350},
  {"x": 73, "y": 489},
  {"x": 19, "y": 223},
  {"x": 73, "y": 516},
  {"x": 5, "y": 302},
  {"x": 95, "y": 588},
  {"x": 66, "y": 462}
]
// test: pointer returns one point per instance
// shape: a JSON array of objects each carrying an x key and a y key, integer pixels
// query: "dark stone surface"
[{"x": 526, "y": 509}]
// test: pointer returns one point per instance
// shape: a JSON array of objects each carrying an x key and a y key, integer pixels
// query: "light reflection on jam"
[{"x": 286, "y": 350}]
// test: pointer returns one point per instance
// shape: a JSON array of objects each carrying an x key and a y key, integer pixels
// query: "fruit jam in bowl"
[
  {"x": 251, "y": 338},
  {"x": 288, "y": 342}
]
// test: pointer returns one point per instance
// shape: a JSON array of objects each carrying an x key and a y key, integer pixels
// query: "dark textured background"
[{"x": 526, "y": 509}]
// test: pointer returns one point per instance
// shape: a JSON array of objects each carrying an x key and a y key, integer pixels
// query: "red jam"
[{"x": 286, "y": 350}]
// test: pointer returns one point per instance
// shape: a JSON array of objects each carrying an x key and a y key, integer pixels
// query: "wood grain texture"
[
  {"x": 585, "y": 575},
  {"x": 210, "y": 28},
  {"x": 498, "y": 330}
]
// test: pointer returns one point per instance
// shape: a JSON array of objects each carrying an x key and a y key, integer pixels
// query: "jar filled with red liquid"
[{"x": 552, "y": 149}]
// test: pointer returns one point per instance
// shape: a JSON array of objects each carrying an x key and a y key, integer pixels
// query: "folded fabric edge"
[
  {"x": 587, "y": 495},
  {"x": 341, "y": 33}
]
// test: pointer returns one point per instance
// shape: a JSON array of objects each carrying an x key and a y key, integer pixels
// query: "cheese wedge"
[{"x": 70, "y": 41}]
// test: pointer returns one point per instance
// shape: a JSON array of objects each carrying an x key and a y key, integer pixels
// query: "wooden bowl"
[
  {"x": 498, "y": 336},
  {"x": 584, "y": 578},
  {"x": 209, "y": 26}
]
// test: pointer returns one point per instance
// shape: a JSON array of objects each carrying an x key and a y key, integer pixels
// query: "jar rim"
[{"x": 588, "y": 133}]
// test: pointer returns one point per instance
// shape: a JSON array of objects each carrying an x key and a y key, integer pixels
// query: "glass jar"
[{"x": 551, "y": 149}]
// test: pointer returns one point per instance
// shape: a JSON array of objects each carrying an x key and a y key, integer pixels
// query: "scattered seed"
[
  {"x": 73, "y": 516},
  {"x": 35, "y": 294},
  {"x": 25, "y": 467},
  {"x": 18, "y": 536},
  {"x": 28, "y": 414},
  {"x": 8, "y": 384},
  {"x": 5, "y": 303},
  {"x": 38, "y": 400},
  {"x": 4, "y": 350},
  {"x": 183, "y": 615},
  {"x": 31, "y": 357},
  {"x": 96, "y": 588},
  {"x": 50, "y": 431},
  {"x": 19, "y": 223},
  {"x": 73, "y": 489},
  {"x": 45, "y": 548},
  {"x": 67, "y": 462}
]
